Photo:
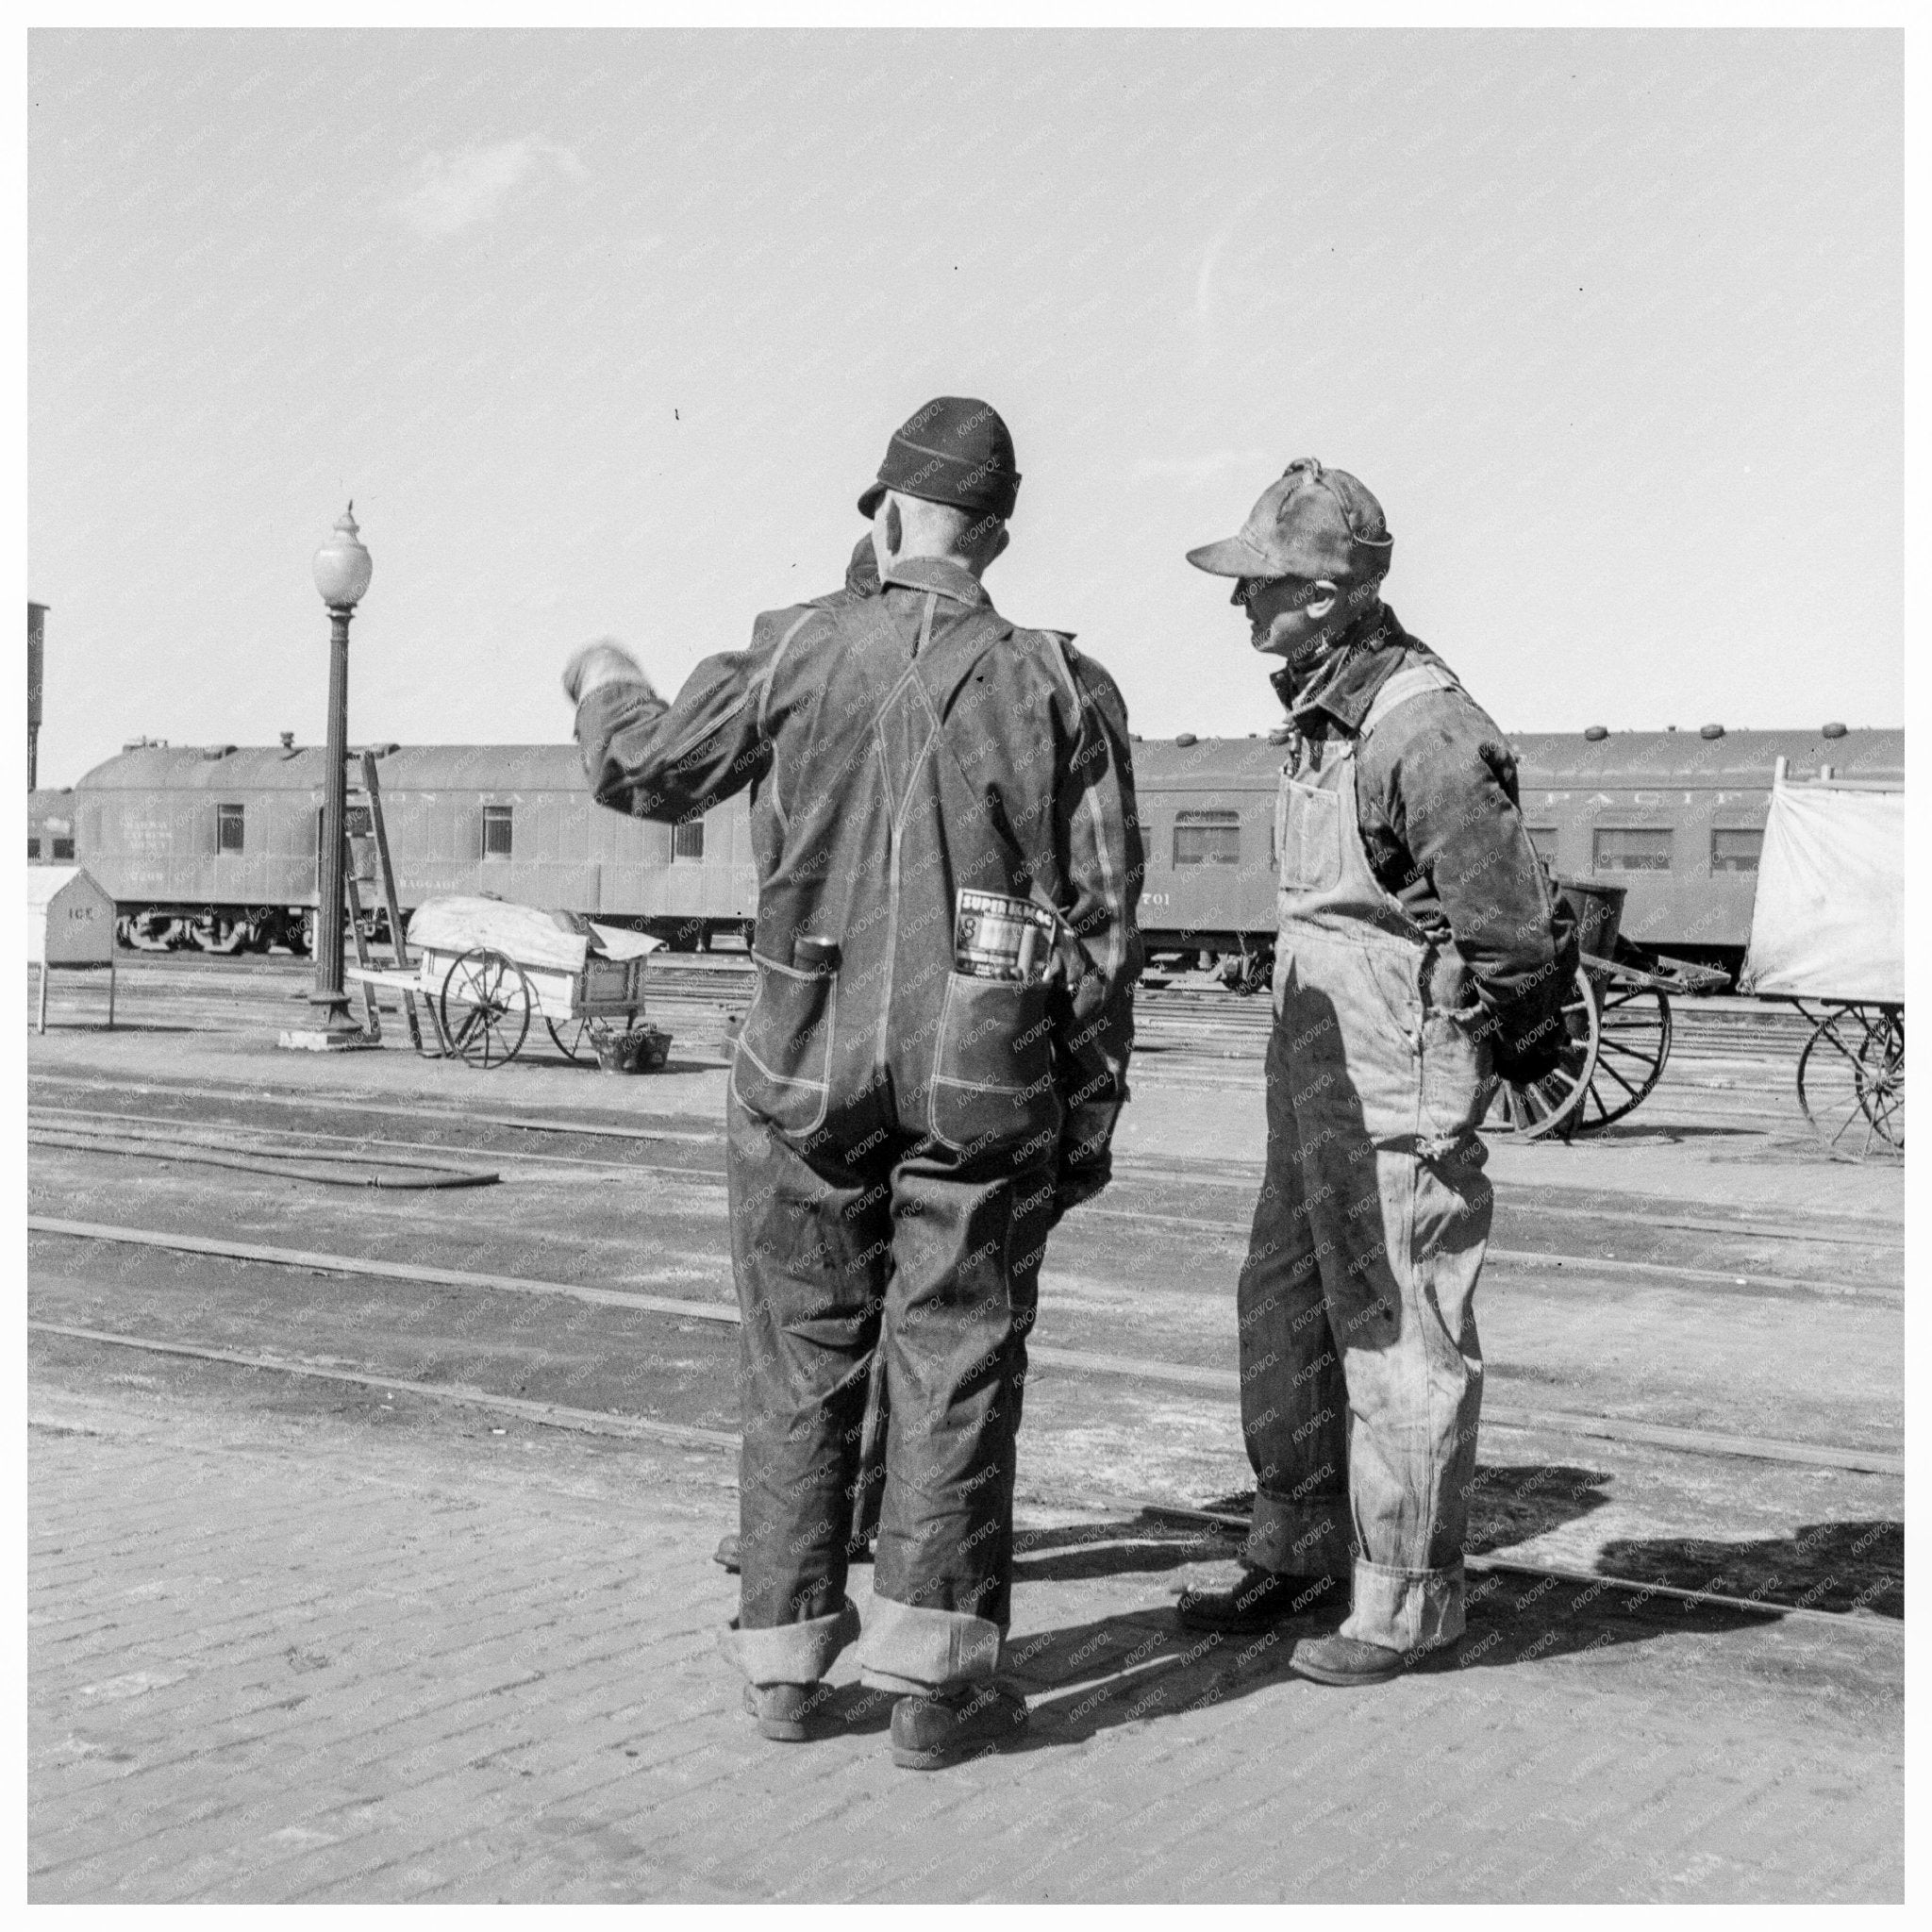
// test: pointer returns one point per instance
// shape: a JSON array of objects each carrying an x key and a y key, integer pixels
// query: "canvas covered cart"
[
  {"x": 1827, "y": 935},
  {"x": 488, "y": 968}
]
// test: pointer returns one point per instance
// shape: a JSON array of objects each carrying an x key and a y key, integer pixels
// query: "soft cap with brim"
[
  {"x": 1311, "y": 522},
  {"x": 954, "y": 450}
]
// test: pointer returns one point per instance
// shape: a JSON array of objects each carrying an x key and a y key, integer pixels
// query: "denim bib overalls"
[{"x": 1361, "y": 1377}]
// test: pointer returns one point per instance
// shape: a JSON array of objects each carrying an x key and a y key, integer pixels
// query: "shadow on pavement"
[
  {"x": 1510, "y": 1503},
  {"x": 1139, "y": 1665},
  {"x": 1821, "y": 1566}
]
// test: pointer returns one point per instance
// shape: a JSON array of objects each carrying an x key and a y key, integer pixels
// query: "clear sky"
[{"x": 605, "y": 333}]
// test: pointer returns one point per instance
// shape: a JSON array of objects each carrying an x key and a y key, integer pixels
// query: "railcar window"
[
  {"x": 1735, "y": 849},
  {"x": 1632, "y": 848},
  {"x": 1545, "y": 839},
  {"x": 63, "y": 848},
  {"x": 229, "y": 827},
  {"x": 1207, "y": 838},
  {"x": 33, "y": 847},
  {"x": 497, "y": 831},
  {"x": 688, "y": 839}
]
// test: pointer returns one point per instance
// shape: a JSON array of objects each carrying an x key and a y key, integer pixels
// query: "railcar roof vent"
[
  {"x": 1711, "y": 731},
  {"x": 1834, "y": 730},
  {"x": 145, "y": 745},
  {"x": 1595, "y": 734},
  {"x": 213, "y": 752},
  {"x": 1187, "y": 737}
]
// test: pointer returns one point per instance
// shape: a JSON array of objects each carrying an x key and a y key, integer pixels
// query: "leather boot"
[
  {"x": 784, "y": 1711},
  {"x": 944, "y": 1727},
  {"x": 1350, "y": 1660}
]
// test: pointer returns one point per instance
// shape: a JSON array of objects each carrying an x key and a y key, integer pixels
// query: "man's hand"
[
  {"x": 604, "y": 662},
  {"x": 1074, "y": 1185}
]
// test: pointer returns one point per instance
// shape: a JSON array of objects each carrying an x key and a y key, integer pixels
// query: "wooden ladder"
[{"x": 369, "y": 789}]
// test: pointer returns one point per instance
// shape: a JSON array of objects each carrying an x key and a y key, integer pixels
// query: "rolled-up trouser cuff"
[
  {"x": 910, "y": 1648},
  {"x": 791, "y": 1653},
  {"x": 1405, "y": 1609},
  {"x": 1308, "y": 1538}
]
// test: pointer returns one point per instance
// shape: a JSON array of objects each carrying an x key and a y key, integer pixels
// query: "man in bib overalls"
[{"x": 1421, "y": 953}]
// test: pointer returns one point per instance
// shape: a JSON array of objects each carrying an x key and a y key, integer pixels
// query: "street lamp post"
[{"x": 343, "y": 569}]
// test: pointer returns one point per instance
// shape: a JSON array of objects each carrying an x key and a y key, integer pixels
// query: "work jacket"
[
  {"x": 902, "y": 747},
  {"x": 1436, "y": 793}
]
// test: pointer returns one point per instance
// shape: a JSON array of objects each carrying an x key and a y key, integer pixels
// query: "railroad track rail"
[
  {"x": 1545, "y": 1262},
  {"x": 678, "y": 1150},
  {"x": 1225, "y": 1382},
  {"x": 1232, "y": 1526}
]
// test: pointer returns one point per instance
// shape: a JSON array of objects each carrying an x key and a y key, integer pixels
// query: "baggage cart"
[
  {"x": 488, "y": 968},
  {"x": 1828, "y": 936}
]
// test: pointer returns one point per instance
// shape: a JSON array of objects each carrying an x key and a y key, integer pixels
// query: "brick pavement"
[{"x": 332, "y": 1651}]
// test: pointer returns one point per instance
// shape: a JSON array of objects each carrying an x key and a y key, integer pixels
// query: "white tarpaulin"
[
  {"x": 1830, "y": 917},
  {"x": 457, "y": 922}
]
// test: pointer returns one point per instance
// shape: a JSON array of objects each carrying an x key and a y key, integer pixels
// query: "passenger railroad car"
[{"x": 216, "y": 846}]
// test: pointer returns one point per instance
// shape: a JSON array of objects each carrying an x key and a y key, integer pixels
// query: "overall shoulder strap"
[
  {"x": 815, "y": 608},
  {"x": 1411, "y": 681}
]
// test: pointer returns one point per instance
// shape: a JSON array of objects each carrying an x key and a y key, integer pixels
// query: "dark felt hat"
[
  {"x": 1311, "y": 522},
  {"x": 954, "y": 450}
]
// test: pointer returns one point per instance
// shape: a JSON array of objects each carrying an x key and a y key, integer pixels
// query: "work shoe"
[
  {"x": 1260, "y": 1600},
  {"x": 1348, "y": 1661},
  {"x": 943, "y": 1727},
  {"x": 784, "y": 1711}
]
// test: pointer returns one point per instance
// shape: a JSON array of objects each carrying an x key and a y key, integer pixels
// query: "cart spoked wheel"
[
  {"x": 1552, "y": 1105},
  {"x": 485, "y": 1007},
  {"x": 573, "y": 1042},
  {"x": 1852, "y": 1081},
  {"x": 1634, "y": 1023}
]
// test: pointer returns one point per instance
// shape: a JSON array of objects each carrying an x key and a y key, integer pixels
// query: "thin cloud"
[{"x": 455, "y": 192}]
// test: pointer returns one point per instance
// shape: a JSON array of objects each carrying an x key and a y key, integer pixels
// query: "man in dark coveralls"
[
  {"x": 1419, "y": 953},
  {"x": 861, "y": 581},
  {"x": 928, "y": 1076}
]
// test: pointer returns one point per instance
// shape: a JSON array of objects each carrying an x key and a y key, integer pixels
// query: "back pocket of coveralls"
[
  {"x": 1308, "y": 835},
  {"x": 782, "y": 1067},
  {"x": 992, "y": 1066}
]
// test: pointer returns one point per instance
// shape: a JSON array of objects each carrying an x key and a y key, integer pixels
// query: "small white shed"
[{"x": 69, "y": 923}]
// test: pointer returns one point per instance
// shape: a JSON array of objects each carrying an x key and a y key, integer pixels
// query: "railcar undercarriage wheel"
[
  {"x": 1552, "y": 1105},
  {"x": 1251, "y": 971},
  {"x": 485, "y": 1007},
  {"x": 1634, "y": 1025},
  {"x": 149, "y": 931},
  {"x": 1852, "y": 1081},
  {"x": 212, "y": 933},
  {"x": 573, "y": 1038}
]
